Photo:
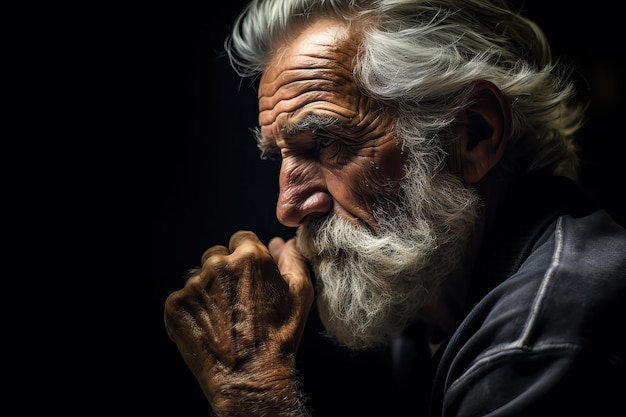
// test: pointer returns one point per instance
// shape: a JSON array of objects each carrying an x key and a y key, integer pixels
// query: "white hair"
[{"x": 420, "y": 56}]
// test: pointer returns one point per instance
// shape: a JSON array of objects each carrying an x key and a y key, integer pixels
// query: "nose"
[{"x": 302, "y": 196}]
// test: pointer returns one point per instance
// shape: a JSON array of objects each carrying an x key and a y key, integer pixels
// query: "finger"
[
  {"x": 275, "y": 246},
  {"x": 243, "y": 236},
  {"x": 214, "y": 250},
  {"x": 295, "y": 272},
  {"x": 292, "y": 265},
  {"x": 289, "y": 260}
]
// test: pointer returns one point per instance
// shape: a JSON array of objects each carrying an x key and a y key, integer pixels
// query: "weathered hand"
[{"x": 238, "y": 321}]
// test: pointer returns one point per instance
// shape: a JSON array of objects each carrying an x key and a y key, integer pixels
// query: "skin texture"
[
  {"x": 239, "y": 319},
  {"x": 340, "y": 169}
]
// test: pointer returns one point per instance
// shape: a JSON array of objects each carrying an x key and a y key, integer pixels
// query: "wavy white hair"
[{"x": 421, "y": 55}]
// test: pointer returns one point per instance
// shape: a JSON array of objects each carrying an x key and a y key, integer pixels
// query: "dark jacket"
[{"x": 546, "y": 321}]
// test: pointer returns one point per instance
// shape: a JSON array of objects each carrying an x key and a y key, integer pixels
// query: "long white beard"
[{"x": 371, "y": 286}]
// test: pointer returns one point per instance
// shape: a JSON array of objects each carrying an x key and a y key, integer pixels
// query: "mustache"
[{"x": 330, "y": 236}]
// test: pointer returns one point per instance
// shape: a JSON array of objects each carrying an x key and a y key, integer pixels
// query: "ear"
[{"x": 483, "y": 136}]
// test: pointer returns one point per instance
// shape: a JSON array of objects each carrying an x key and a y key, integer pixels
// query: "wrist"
[{"x": 271, "y": 393}]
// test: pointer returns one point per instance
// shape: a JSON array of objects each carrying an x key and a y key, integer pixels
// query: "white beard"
[{"x": 371, "y": 286}]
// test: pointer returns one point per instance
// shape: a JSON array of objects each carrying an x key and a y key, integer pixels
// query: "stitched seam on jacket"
[
  {"x": 499, "y": 353},
  {"x": 547, "y": 279}
]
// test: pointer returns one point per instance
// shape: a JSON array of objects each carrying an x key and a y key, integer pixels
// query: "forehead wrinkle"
[
  {"x": 311, "y": 52},
  {"x": 300, "y": 91},
  {"x": 290, "y": 82},
  {"x": 305, "y": 103},
  {"x": 311, "y": 80},
  {"x": 289, "y": 90}
]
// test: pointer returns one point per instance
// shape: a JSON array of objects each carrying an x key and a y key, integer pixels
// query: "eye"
[{"x": 326, "y": 141}]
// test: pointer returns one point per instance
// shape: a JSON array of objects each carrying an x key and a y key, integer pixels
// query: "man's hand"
[{"x": 238, "y": 321}]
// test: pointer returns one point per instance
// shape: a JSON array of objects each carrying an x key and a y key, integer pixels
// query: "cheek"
[
  {"x": 363, "y": 183},
  {"x": 383, "y": 173},
  {"x": 389, "y": 161},
  {"x": 373, "y": 176}
]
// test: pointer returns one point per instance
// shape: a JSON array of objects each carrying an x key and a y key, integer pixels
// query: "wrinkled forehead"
[{"x": 324, "y": 45}]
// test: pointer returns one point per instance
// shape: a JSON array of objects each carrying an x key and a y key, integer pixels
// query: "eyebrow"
[
  {"x": 310, "y": 122},
  {"x": 266, "y": 146}
]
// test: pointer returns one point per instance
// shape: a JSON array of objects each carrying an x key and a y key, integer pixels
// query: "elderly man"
[{"x": 428, "y": 163}]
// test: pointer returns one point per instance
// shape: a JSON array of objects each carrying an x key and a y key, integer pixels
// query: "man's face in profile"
[{"x": 381, "y": 228}]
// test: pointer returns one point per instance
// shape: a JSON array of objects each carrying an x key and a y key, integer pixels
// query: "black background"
[{"x": 161, "y": 165}]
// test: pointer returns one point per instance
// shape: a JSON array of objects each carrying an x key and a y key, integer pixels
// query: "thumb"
[
  {"x": 287, "y": 257},
  {"x": 293, "y": 267}
]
